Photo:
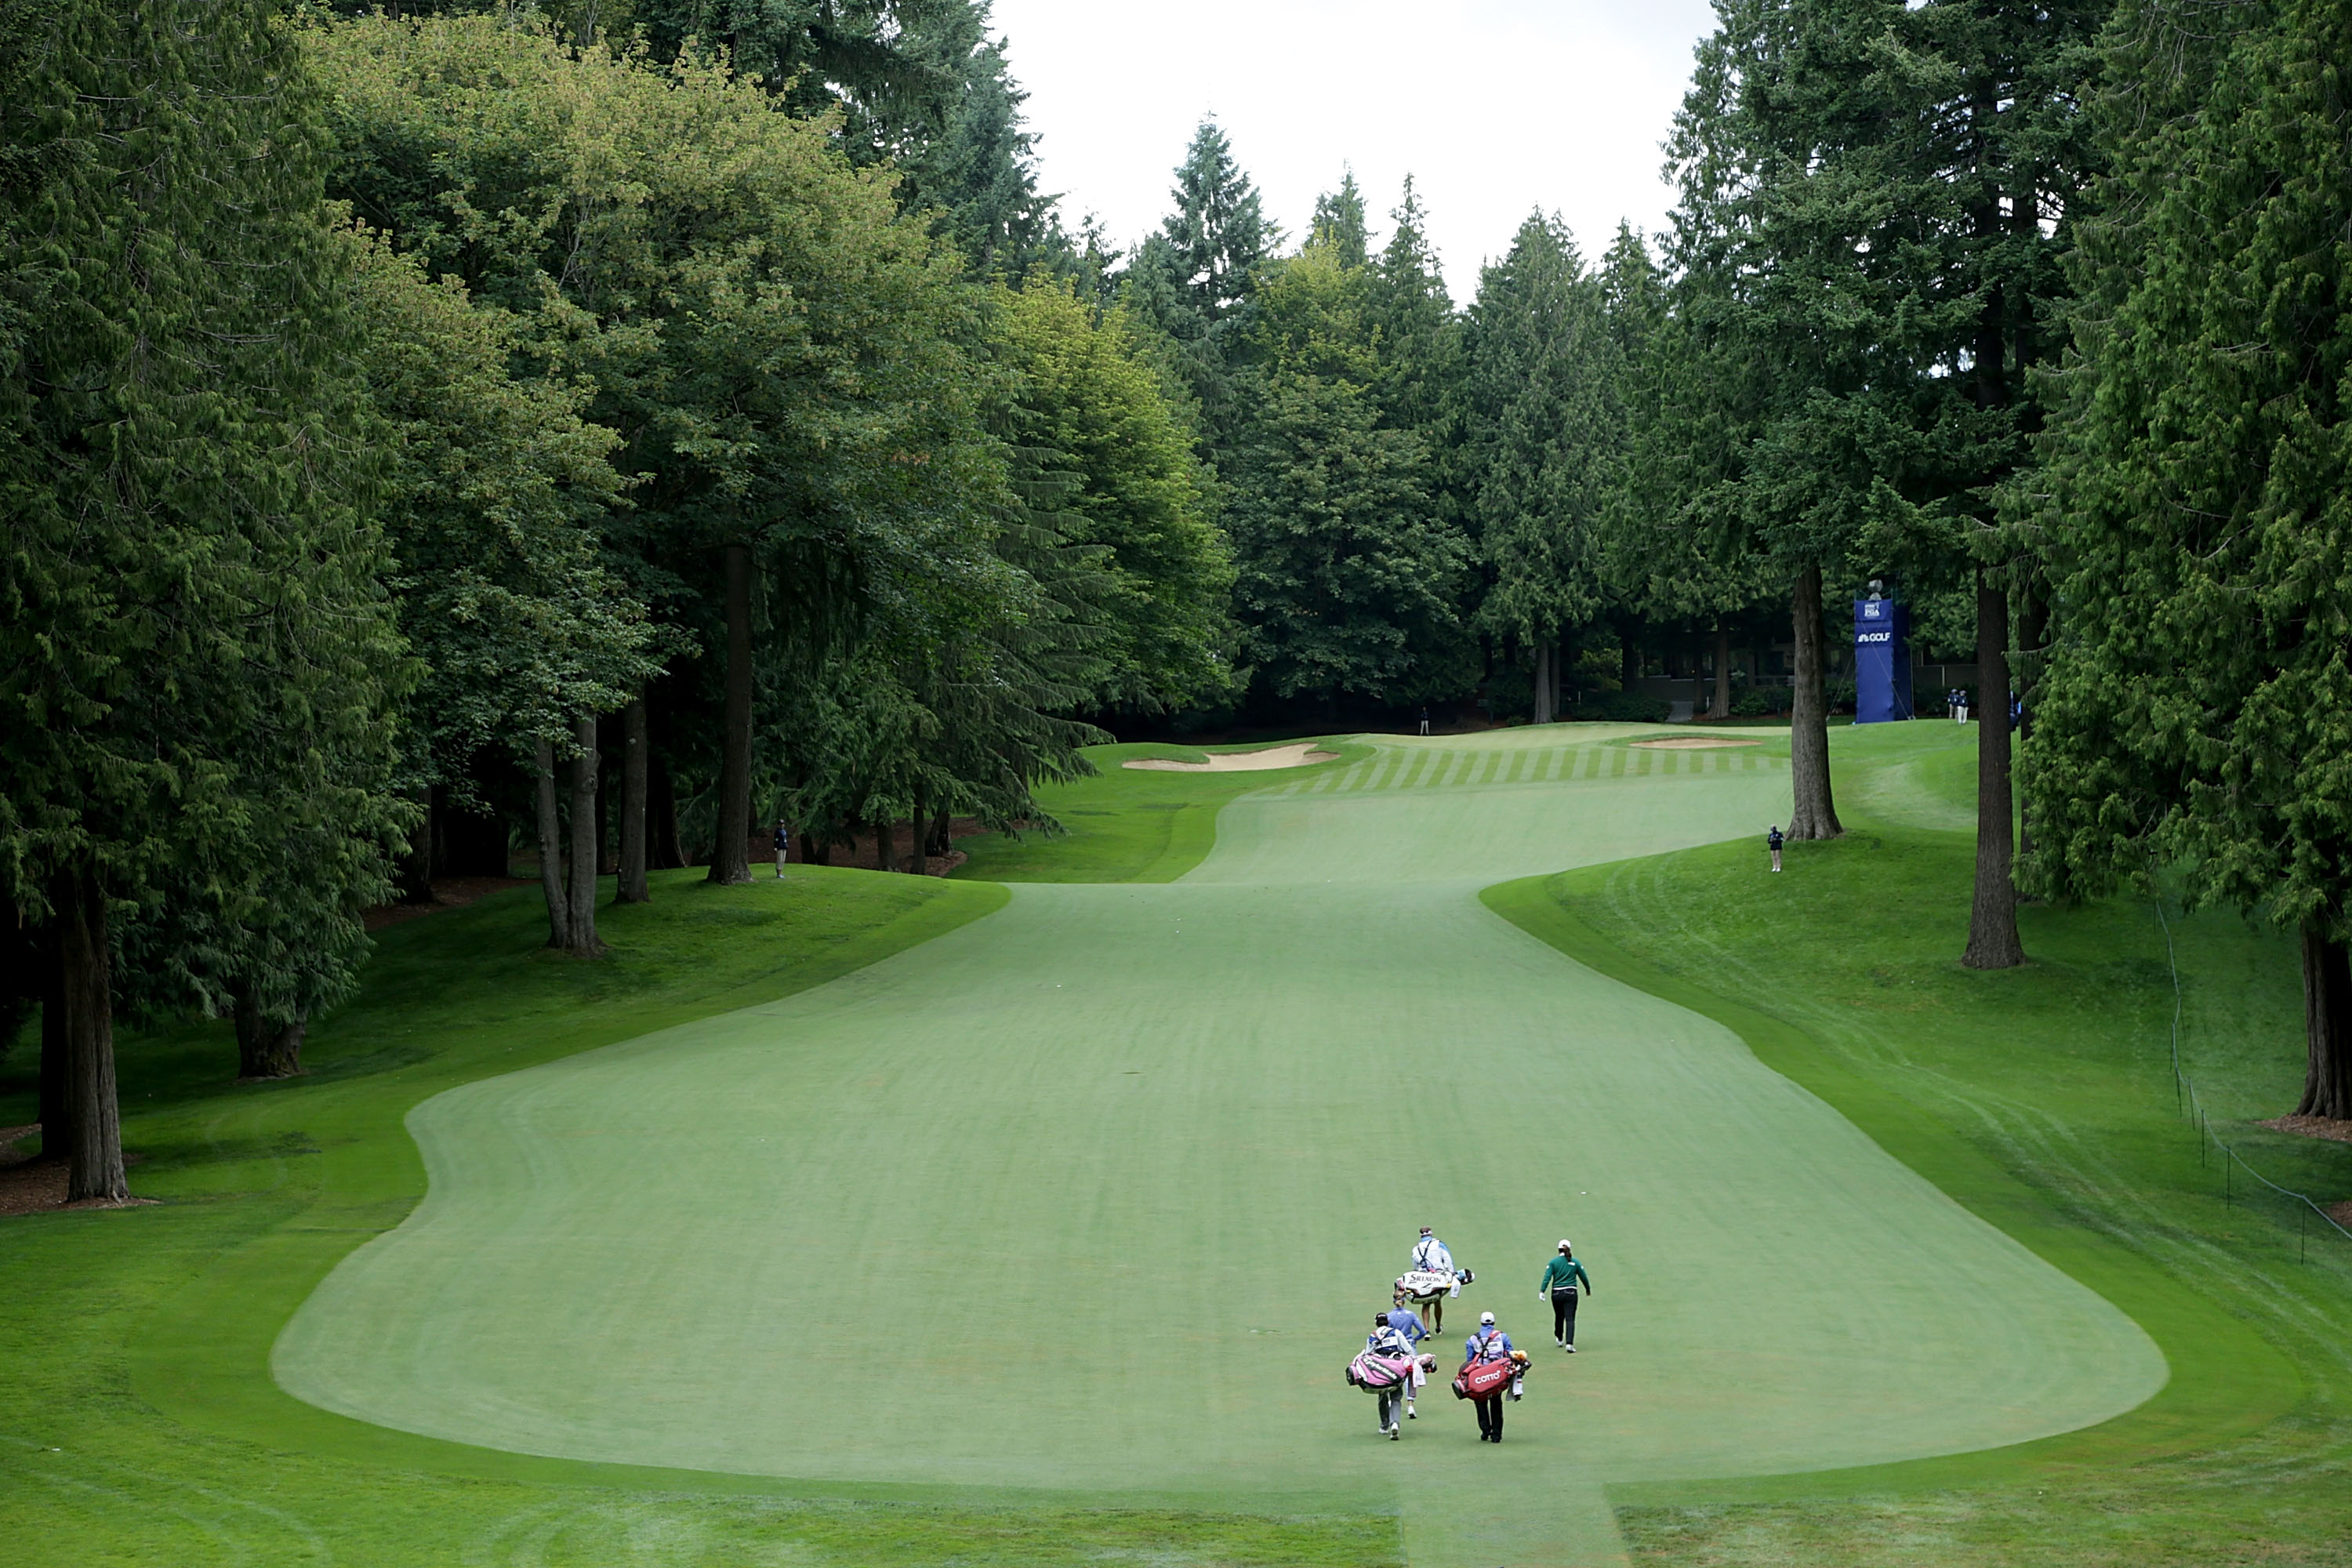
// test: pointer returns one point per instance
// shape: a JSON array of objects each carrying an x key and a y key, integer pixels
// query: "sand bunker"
[
  {"x": 1686, "y": 743},
  {"x": 1295, "y": 756}
]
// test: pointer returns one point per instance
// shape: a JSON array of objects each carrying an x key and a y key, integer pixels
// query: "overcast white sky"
[{"x": 1494, "y": 106}]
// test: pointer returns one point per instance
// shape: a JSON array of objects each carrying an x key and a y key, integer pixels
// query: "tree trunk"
[
  {"x": 587, "y": 845},
  {"x": 1992, "y": 916},
  {"x": 86, "y": 986},
  {"x": 1814, "y": 814},
  {"x": 886, "y": 850},
  {"x": 267, "y": 1048},
  {"x": 1629, "y": 661},
  {"x": 630, "y": 888},
  {"x": 942, "y": 833},
  {"x": 2326, "y": 1026},
  {"x": 1543, "y": 682},
  {"x": 731, "y": 859},
  {"x": 550, "y": 852},
  {"x": 55, "y": 1117},
  {"x": 920, "y": 861},
  {"x": 1721, "y": 706}
]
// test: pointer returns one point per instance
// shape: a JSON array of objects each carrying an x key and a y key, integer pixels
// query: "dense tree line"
[
  {"x": 630, "y": 423},
  {"x": 419, "y": 424}
]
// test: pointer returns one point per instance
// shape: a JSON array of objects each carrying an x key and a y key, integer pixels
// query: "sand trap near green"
[{"x": 1098, "y": 1193}]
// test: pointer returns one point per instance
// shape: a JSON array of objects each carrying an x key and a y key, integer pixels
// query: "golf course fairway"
[{"x": 1095, "y": 1195}]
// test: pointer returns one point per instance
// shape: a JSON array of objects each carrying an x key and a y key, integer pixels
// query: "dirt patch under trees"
[{"x": 29, "y": 1184}]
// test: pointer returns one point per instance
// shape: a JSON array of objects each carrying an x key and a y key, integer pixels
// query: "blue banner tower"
[{"x": 1882, "y": 660}]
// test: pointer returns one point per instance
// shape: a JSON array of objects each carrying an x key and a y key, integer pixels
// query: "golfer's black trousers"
[
  {"x": 1490, "y": 1415},
  {"x": 1563, "y": 1315}
]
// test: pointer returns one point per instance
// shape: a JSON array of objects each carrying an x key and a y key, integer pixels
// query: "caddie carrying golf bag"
[{"x": 1372, "y": 1372}]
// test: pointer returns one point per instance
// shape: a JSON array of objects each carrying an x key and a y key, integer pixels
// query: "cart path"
[{"x": 1113, "y": 1178}]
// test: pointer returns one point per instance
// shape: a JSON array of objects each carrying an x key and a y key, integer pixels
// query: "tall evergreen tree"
[
  {"x": 1338, "y": 224},
  {"x": 1348, "y": 581},
  {"x": 197, "y": 658},
  {"x": 1873, "y": 203},
  {"x": 1542, "y": 429},
  {"x": 1189, "y": 285},
  {"x": 2198, "y": 710},
  {"x": 980, "y": 171},
  {"x": 1668, "y": 556},
  {"x": 1419, "y": 333}
]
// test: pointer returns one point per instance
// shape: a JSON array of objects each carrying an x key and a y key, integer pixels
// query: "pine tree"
[
  {"x": 1413, "y": 319},
  {"x": 1348, "y": 581},
  {"x": 196, "y": 655},
  {"x": 1542, "y": 427},
  {"x": 1338, "y": 223},
  {"x": 2198, "y": 709},
  {"x": 1189, "y": 287},
  {"x": 1667, "y": 555}
]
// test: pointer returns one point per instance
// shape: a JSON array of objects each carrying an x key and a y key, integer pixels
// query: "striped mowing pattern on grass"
[{"x": 1427, "y": 767}]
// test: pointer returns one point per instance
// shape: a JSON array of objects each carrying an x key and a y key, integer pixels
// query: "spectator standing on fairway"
[
  {"x": 1561, "y": 1277},
  {"x": 1387, "y": 1339},
  {"x": 1406, "y": 1321},
  {"x": 783, "y": 847},
  {"x": 1489, "y": 1343},
  {"x": 1772, "y": 841},
  {"x": 1424, "y": 721}
]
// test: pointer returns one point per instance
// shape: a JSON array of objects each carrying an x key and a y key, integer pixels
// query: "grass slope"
[
  {"x": 1124, "y": 824},
  {"x": 1040, "y": 1157},
  {"x": 2042, "y": 1100},
  {"x": 138, "y": 1424}
]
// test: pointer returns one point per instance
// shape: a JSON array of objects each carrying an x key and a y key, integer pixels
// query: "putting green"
[{"x": 1111, "y": 1181}]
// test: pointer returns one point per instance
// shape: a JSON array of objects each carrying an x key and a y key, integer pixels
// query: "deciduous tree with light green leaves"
[
  {"x": 496, "y": 491},
  {"x": 1084, "y": 404},
  {"x": 789, "y": 358}
]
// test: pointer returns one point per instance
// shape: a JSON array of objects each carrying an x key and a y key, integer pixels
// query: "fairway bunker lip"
[{"x": 1303, "y": 754}]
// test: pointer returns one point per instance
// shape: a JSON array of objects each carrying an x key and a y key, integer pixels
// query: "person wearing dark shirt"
[
  {"x": 1772, "y": 841},
  {"x": 1561, "y": 1278},
  {"x": 783, "y": 847}
]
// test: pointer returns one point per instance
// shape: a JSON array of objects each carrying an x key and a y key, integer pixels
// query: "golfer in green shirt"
[{"x": 1561, "y": 1279}]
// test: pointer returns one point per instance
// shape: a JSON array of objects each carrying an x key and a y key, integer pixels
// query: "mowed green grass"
[
  {"x": 1122, "y": 824},
  {"x": 2043, "y": 1097},
  {"x": 108, "y": 1319},
  {"x": 1109, "y": 1179},
  {"x": 99, "y": 1320}
]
